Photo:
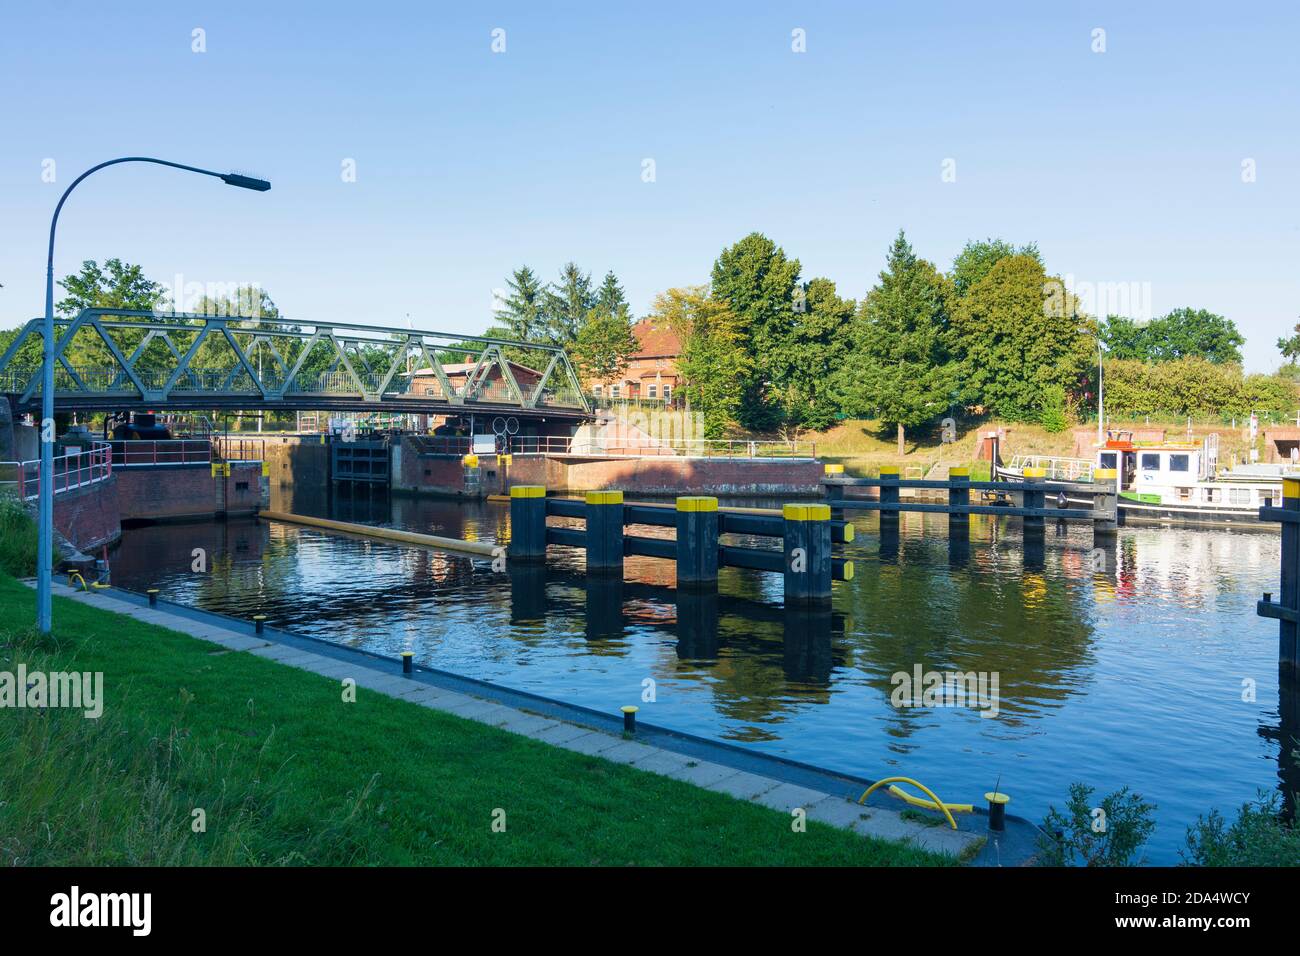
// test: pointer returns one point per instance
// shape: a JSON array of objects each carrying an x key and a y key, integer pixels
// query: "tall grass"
[{"x": 17, "y": 538}]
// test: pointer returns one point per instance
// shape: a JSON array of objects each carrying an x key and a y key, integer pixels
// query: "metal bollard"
[
  {"x": 997, "y": 810},
  {"x": 153, "y": 597},
  {"x": 629, "y": 719}
]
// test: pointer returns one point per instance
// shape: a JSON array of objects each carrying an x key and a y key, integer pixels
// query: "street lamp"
[{"x": 45, "y": 510}]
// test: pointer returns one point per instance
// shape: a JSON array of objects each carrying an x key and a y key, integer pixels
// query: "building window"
[
  {"x": 1178, "y": 462},
  {"x": 651, "y": 391},
  {"x": 668, "y": 392},
  {"x": 1108, "y": 459},
  {"x": 1239, "y": 496},
  {"x": 1212, "y": 496},
  {"x": 1184, "y": 494},
  {"x": 614, "y": 390},
  {"x": 1150, "y": 462},
  {"x": 595, "y": 389}
]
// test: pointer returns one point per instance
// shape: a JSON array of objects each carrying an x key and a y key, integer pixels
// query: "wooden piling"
[
  {"x": 605, "y": 531},
  {"x": 958, "y": 501},
  {"x": 1106, "y": 501},
  {"x": 697, "y": 541},
  {"x": 1034, "y": 525},
  {"x": 807, "y": 554},
  {"x": 527, "y": 523}
]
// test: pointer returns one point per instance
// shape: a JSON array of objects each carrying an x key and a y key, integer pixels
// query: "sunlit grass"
[{"x": 288, "y": 773}]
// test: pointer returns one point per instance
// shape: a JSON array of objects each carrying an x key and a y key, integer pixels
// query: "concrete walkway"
[{"x": 835, "y": 809}]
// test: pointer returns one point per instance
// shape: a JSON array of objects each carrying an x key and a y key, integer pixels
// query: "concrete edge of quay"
[{"x": 776, "y": 782}]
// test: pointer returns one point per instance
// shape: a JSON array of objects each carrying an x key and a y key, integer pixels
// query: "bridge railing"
[
  {"x": 162, "y": 451},
  {"x": 104, "y": 355},
  {"x": 74, "y": 469}
]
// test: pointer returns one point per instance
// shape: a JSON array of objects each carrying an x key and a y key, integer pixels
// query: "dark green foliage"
[
  {"x": 977, "y": 259},
  {"x": 17, "y": 538},
  {"x": 1183, "y": 333},
  {"x": 1257, "y": 837},
  {"x": 1109, "y": 833},
  {"x": 1054, "y": 417}
]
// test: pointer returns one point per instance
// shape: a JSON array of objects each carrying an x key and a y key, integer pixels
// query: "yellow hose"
[
  {"x": 77, "y": 575},
  {"x": 928, "y": 804},
  {"x": 920, "y": 786}
]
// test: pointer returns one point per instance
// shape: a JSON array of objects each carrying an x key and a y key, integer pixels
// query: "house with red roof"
[{"x": 651, "y": 374}]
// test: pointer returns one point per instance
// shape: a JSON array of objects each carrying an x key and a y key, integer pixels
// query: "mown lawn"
[{"x": 287, "y": 773}]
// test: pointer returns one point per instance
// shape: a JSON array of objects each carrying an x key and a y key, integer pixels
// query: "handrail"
[{"x": 71, "y": 470}]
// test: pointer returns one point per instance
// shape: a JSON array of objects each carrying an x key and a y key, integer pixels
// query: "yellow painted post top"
[
  {"x": 806, "y": 512},
  {"x": 1291, "y": 487},
  {"x": 1105, "y": 474},
  {"x": 834, "y": 469},
  {"x": 959, "y": 472},
  {"x": 408, "y": 653},
  {"x": 848, "y": 569},
  {"x": 505, "y": 459},
  {"x": 697, "y": 503},
  {"x": 629, "y": 709},
  {"x": 888, "y": 471},
  {"x": 528, "y": 491},
  {"x": 470, "y": 461},
  {"x": 1035, "y": 472},
  {"x": 266, "y": 469},
  {"x": 997, "y": 798},
  {"x": 604, "y": 497}
]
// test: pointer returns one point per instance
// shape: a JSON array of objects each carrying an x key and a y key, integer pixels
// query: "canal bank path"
[{"x": 782, "y": 785}]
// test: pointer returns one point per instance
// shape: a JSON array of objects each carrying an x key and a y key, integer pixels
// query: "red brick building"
[{"x": 651, "y": 374}]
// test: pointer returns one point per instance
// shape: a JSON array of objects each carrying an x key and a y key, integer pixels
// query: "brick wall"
[
  {"x": 189, "y": 491},
  {"x": 671, "y": 476},
  {"x": 89, "y": 517}
]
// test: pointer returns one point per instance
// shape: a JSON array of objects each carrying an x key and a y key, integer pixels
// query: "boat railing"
[{"x": 1057, "y": 468}]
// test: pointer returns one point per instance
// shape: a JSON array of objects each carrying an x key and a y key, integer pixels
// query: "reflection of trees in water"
[{"x": 985, "y": 613}]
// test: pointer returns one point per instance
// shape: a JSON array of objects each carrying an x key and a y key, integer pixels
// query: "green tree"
[
  {"x": 568, "y": 304},
  {"x": 902, "y": 370},
  {"x": 978, "y": 257},
  {"x": 1289, "y": 346},
  {"x": 115, "y": 285},
  {"x": 1195, "y": 332},
  {"x": 756, "y": 282},
  {"x": 610, "y": 299},
  {"x": 604, "y": 346},
  {"x": 715, "y": 362},
  {"x": 522, "y": 316},
  {"x": 817, "y": 347},
  {"x": 1017, "y": 332}
]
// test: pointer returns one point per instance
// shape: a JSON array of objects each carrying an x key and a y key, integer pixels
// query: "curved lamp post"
[{"x": 45, "y": 512}]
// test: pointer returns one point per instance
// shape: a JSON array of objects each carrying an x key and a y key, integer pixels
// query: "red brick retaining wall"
[{"x": 88, "y": 517}]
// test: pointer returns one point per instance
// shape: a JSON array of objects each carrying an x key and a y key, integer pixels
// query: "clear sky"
[{"x": 1125, "y": 166}]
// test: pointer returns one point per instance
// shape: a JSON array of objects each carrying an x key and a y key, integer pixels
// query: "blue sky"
[{"x": 1124, "y": 166}]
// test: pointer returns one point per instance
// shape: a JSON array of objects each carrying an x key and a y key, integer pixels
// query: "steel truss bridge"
[{"x": 119, "y": 360}]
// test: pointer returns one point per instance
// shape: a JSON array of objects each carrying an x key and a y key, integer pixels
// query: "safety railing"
[
  {"x": 163, "y": 451},
  {"x": 651, "y": 448},
  {"x": 239, "y": 449},
  {"x": 74, "y": 469},
  {"x": 1056, "y": 468}
]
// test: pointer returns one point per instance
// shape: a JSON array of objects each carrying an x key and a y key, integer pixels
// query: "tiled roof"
[{"x": 656, "y": 339}]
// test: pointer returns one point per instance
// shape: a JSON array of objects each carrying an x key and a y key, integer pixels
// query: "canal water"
[{"x": 1153, "y": 671}]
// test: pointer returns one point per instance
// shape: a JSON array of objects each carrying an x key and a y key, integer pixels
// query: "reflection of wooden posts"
[
  {"x": 1034, "y": 525},
  {"x": 1106, "y": 502},
  {"x": 527, "y": 593},
  {"x": 604, "y": 606},
  {"x": 605, "y": 531},
  {"x": 697, "y": 541},
  {"x": 697, "y": 624},
  {"x": 527, "y": 523},
  {"x": 807, "y": 553},
  {"x": 958, "y": 502}
]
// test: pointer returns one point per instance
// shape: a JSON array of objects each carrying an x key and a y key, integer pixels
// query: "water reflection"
[{"x": 1124, "y": 670}]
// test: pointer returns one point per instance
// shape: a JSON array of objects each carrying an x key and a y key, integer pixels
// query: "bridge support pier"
[
  {"x": 807, "y": 554},
  {"x": 697, "y": 542},
  {"x": 527, "y": 523}
]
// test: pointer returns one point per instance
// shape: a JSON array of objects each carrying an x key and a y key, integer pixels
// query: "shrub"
[
  {"x": 1258, "y": 837},
  {"x": 1110, "y": 833},
  {"x": 1053, "y": 415},
  {"x": 17, "y": 538}
]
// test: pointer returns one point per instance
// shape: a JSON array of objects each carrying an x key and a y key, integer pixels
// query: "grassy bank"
[
  {"x": 289, "y": 774},
  {"x": 864, "y": 445},
  {"x": 17, "y": 538}
]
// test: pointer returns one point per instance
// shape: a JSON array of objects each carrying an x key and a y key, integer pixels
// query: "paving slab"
[
  {"x": 591, "y": 743},
  {"x": 787, "y": 796},
  {"x": 561, "y": 733},
  {"x": 665, "y": 763},
  {"x": 528, "y": 725},
  {"x": 838, "y": 812},
  {"x": 703, "y": 773},
  {"x": 630, "y": 752},
  {"x": 744, "y": 785}
]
